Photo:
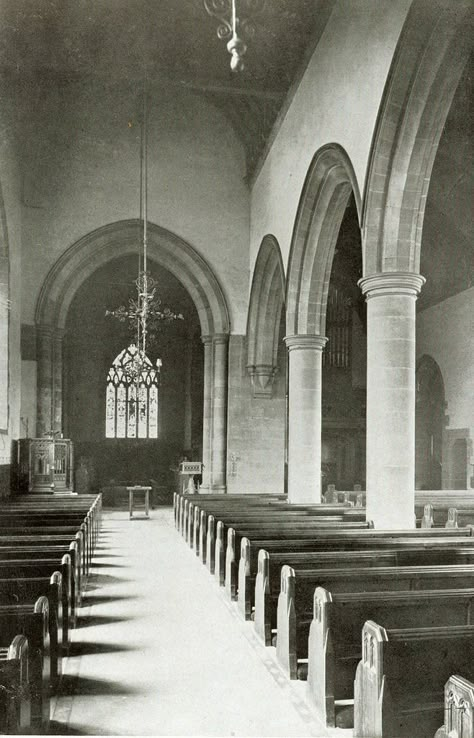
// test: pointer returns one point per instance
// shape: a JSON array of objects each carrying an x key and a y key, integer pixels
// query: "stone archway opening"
[
  {"x": 328, "y": 188},
  {"x": 188, "y": 269}
]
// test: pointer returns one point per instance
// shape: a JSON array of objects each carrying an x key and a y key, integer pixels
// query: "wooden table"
[{"x": 131, "y": 498}]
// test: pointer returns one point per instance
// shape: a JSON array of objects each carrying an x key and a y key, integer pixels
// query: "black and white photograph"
[{"x": 237, "y": 368}]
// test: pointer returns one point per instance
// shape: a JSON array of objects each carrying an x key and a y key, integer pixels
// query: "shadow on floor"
[
  {"x": 57, "y": 728},
  {"x": 86, "y": 686},
  {"x": 88, "y": 601},
  {"x": 93, "y": 649},
  {"x": 86, "y": 621},
  {"x": 97, "y": 564},
  {"x": 102, "y": 579}
]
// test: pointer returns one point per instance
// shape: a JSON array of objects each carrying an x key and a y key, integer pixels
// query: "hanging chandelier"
[
  {"x": 144, "y": 312},
  {"x": 236, "y": 24}
]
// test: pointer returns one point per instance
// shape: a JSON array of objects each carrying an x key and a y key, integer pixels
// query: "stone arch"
[
  {"x": 121, "y": 239},
  {"x": 267, "y": 298},
  {"x": 432, "y": 52},
  {"x": 326, "y": 191},
  {"x": 85, "y": 257}
]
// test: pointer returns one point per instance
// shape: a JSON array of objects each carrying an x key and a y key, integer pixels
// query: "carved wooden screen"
[
  {"x": 131, "y": 403},
  {"x": 337, "y": 352}
]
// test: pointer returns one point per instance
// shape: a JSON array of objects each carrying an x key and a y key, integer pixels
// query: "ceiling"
[{"x": 177, "y": 39}]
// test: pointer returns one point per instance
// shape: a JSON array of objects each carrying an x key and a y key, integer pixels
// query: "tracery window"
[{"x": 131, "y": 399}]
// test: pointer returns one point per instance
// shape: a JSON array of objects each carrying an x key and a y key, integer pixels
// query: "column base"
[{"x": 210, "y": 489}]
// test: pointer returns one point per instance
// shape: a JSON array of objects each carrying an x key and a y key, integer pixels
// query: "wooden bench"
[
  {"x": 54, "y": 554},
  {"x": 297, "y": 550},
  {"x": 197, "y": 531},
  {"x": 338, "y": 540},
  {"x": 238, "y": 501},
  {"x": 458, "y": 709},
  {"x": 399, "y": 683},
  {"x": 15, "y": 702},
  {"x": 32, "y": 621},
  {"x": 26, "y": 591},
  {"x": 268, "y": 579},
  {"x": 334, "y": 647},
  {"x": 450, "y": 517},
  {"x": 310, "y": 528},
  {"x": 19, "y": 568},
  {"x": 26, "y": 541},
  {"x": 295, "y": 601},
  {"x": 36, "y": 532}
]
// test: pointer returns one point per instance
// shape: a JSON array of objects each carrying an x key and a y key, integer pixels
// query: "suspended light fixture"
[
  {"x": 236, "y": 24},
  {"x": 143, "y": 312}
]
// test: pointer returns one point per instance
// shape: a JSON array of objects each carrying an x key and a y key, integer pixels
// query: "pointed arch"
[
  {"x": 432, "y": 52},
  {"x": 122, "y": 238},
  {"x": 329, "y": 183},
  {"x": 267, "y": 297}
]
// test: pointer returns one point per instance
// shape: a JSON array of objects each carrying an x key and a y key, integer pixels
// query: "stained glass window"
[{"x": 131, "y": 401}]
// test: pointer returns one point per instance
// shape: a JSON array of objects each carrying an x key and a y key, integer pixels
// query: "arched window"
[{"x": 132, "y": 399}]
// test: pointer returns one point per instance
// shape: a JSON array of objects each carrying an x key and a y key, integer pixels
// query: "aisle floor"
[{"x": 160, "y": 651}]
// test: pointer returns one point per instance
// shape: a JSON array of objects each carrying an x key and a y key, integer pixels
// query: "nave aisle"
[{"x": 159, "y": 651}]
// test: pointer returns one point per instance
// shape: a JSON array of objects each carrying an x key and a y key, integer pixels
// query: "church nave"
[{"x": 160, "y": 651}]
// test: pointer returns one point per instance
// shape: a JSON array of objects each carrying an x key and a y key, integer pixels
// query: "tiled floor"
[{"x": 160, "y": 651}]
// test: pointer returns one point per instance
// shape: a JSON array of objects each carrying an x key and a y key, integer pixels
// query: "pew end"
[
  {"x": 458, "y": 709},
  {"x": 263, "y": 626},
  {"x": 286, "y": 623}
]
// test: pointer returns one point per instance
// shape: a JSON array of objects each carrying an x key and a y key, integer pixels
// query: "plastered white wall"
[{"x": 337, "y": 101}]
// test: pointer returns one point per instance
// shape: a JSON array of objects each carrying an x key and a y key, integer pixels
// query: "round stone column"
[
  {"x": 220, "y": 344},
  {"x": 304, "y": 417},
  {"x": 391, "y": 360},
  {"x": 44, "y": 337},
  {"x": 207, "y": 414}
]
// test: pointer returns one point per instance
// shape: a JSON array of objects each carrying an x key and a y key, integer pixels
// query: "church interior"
[{"x": 236, "y": 368}]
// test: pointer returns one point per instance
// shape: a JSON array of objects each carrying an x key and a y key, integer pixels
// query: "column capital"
[
  {"x": 220, "y": 338},
  {"x": 44, "y": 329},
  {"x": 391, "y": 283},
  {"x": 305, "y": 341},
  {"x": 206, "y": 339}
]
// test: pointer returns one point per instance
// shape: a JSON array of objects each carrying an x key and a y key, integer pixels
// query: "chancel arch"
[
  {"x": 168, "y": 251},
  {"x": 328, "y": 186},
  {"x": 431, "y": 55}
]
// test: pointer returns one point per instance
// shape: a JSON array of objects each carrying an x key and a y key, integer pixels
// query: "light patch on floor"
[{"x": 159, "y": 650}]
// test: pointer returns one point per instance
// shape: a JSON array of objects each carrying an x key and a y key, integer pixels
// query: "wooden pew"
[
  {"x": 237, "y": 500},
  {"x": 53, "y": 539},
  {"x": 398, "y": 690},
  {"x": 458, "y": 709},
  {"x": 15, "y": 569},
  {"x": 283, "y": 529},
  {"x": 53, "y": 531},
  {"x": 50, "y": 553},
  {"x": 295, "y": 601},
  {"x": 334, "y": 647},
  {"x": 293, "y": 552},
  {"x": 222, "y": 503},
  {"x": 15, "y": 702},
  {"x": 268, "y": 579},
  {"x": 450, "y": 517},
  {"x": 334, "y": 540},
  {"x": 197, "y": 532},
  {"x": 27, "y": 591},
  {"x": 32, "y": 621}
]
